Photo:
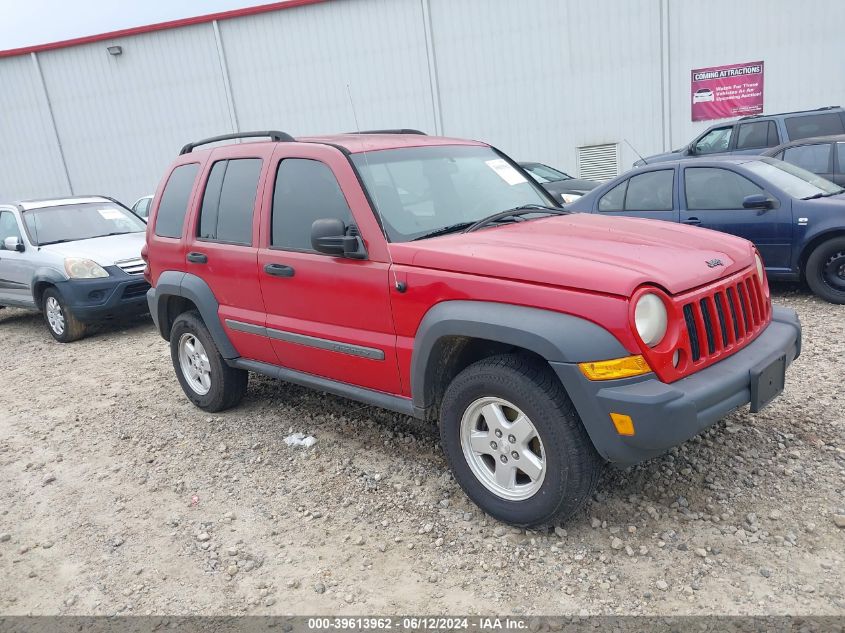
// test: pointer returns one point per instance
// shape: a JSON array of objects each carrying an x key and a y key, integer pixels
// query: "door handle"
[
  {"x": 278, "y": 270},
  {"x": 197, "y": 258},
  {"x": 692, "y": 221}
]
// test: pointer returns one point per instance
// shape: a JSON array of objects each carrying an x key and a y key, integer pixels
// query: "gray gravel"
[{"x": 118, "y": 496}]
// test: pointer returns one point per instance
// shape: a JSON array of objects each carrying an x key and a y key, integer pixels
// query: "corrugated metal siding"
[
  {"x": 800, "y": 43},
  {"x": 122, "y": 119},
  {"x": 539, "y": 79},
  {"x": 290, "y": 69},
  {"x": 30, "y": 165}
]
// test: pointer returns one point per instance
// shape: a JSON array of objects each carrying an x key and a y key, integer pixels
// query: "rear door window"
[
  {"x": 614, "y": 200},
  {"x": 175, "y": 199},
  {"x": 814, "y": 125},
  {"x": 814, "y": 158},
  {"x": 229, "y": 201},
  {"x": 840, "y": 156},
  {"x": 716, "y": 188},
  {"x": 651, "y": 191},
  {"x": 757, "y": 135}
]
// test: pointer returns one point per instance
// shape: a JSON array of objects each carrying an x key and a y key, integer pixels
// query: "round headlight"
[
  {"x": 650, "y": 318},
  {"x": 759, "y": 263}
]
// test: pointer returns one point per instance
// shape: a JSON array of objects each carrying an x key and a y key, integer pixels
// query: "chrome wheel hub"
[
  {"x": 55, "y": 316},
  {"x": 193, "y": 361},
  {"x": 503, "y": 448}
]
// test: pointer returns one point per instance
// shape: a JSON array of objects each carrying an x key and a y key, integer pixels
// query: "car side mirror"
[
  {"x": 331, "y": 237},
  {"x": 757, "y": 201},
  {"x": 691, "y": 149},
  {"x": 13, "y": 243}
]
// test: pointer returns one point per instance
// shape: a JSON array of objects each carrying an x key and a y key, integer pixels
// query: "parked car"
[
  {"x": 76, "y": 260},
  {"x": 703, "y": 95},
  {"x": 755, "y": 134},
  {"x": 561, "y": 185},
  {"x": 795, "y": 218},
  {"x": 141, "y": 208},
  {"x": 428, "y": 276},
  {"x": 822, "y": 155}
]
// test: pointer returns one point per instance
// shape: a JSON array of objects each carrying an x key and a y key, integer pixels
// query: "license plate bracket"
[{"x": 767, "y": 382}]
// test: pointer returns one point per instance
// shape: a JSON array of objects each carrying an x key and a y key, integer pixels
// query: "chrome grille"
[{"x": 131, "y": 266}]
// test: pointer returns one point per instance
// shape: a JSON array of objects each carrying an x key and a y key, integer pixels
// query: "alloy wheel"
[{"x": 193, "y": 361}]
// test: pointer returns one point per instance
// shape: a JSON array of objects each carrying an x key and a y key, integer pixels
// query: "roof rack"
[
  {"x": 402, "y": 130},
  {"x": 757, "y": 116},
  {"x": 274, "y": 135}
]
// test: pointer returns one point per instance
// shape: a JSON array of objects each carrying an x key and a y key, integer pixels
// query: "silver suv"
[{"x": 77, "y": 260}]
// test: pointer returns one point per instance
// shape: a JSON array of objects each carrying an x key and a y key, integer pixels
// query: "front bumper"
[
  {"x": 666, "y": 415},
  {"x": 119, "y": 294}
]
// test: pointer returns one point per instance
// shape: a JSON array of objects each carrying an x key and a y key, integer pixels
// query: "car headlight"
[
  {"x": 78, "y": 268},
  {"x": 650, "y": 318},
  {"x": 760, "y": 270},
  {"x": 569, "y": 197}
]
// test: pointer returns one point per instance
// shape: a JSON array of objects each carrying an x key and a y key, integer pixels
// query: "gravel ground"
[{"x": 118, "y": 496}]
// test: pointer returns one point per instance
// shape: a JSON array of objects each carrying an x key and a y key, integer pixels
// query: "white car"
[{"x": 703, "y": 95}]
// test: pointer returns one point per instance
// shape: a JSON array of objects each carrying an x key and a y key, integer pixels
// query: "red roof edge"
[{"x": 161, "y": 26}]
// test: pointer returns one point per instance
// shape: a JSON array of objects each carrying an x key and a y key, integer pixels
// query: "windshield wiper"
[
  {"x": 525, "y": 209},
  {"x": 823, "y": 195},
  {"x": 452, "y": 228},
  {"x": 57, "y": 242}
]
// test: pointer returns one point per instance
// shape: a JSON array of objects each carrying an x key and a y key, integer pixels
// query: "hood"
[
  {"x": 676, "y": 154},
  {"x": 605, "y": 254},
  {"x": 103, "y": 250},
  {"x": 570, "y": 185}
]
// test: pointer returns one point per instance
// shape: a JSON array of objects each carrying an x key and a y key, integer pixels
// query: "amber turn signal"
[
  {"x": 616, "y": 368},
  {"x": 623, "y": 423}
]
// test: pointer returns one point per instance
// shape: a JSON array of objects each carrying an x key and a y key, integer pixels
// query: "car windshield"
[
  {"x": 421, "y": 190},
  {"x": 68, "y": 223},
  {"x": 544, "y": 173},
  {"x": 795, "y": 181}
]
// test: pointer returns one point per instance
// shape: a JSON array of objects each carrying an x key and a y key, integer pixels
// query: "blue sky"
[{"x": 31, "y": 22}]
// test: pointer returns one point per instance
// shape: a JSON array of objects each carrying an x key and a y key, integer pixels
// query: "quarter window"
[
  {"x": 306, "y": 190},
  {"x": 614, "y": 200},
  {"x": 814, "y": 158},
  {"x": 757, "y": 135},
  {"x": 716, "y": 188},
  {"x": 229, "y": 200},
  {"x": 174, "y": 200},
  {"x": 814, "y": 125}
]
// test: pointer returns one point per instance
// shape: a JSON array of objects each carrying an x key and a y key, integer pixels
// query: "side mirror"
[
  {"x": 329, "y": 236},
  {"x": 691, "y": 149},
  {"x": 13, "y": 244},
  {"x": 757, "y": 201}
]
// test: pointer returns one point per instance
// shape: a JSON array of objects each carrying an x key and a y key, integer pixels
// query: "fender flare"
[
  {"x": 555, "y": 336},
  {"x": 178, "y": 284},
  {"x": 46, "y": 275}
]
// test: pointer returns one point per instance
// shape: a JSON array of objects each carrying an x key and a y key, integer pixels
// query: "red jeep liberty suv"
[{"x": 432, "y": 277}]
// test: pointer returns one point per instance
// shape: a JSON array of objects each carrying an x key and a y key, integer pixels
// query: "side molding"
[{"x": 554, "y": 336}]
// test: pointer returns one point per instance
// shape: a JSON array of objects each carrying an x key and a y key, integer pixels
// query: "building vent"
[{"x": 598, "y": 162}]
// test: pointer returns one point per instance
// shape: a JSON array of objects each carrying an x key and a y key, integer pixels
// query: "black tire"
[
  {"x": 66, "y": 328},
  {"x": 227, "y": 384},
  {"x": 825, "y": 272},
  {"x": 572, "y": 465}
]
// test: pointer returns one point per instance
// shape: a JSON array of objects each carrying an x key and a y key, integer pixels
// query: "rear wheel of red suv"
[
  {"x": 203, "y": 373},
  {"x": 515, "y": 442}
]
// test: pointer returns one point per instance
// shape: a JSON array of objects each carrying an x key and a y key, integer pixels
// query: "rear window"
[
  {"x": 814, "y": 125},
  {"x": 229, "y": 200},
  {"x": 174, "y": 200}
]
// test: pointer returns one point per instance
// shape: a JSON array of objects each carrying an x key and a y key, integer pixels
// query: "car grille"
[
  {"x": 135, "y": 290},
  {"x": 725, "y": 317},
  {"x": 131, "y": 266}
]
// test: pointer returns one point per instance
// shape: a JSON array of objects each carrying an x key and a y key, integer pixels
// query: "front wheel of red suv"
[
  {"x": 515, "y": 442},
  {"x": 203, "y": 373}
]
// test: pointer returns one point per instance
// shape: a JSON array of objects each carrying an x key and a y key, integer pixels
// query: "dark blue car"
[{"x": 794, "y": 217}]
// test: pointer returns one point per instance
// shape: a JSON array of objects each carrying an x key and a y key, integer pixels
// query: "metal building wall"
[{"x": 537, "y": 78}]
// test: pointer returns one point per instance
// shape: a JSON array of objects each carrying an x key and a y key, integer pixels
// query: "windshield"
[
  {"x": 796, "y": 182},
  {"x": 544, "y": 173},
  {"x": 73, "y": 222},
  {"x": 418, "y": 190}
]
